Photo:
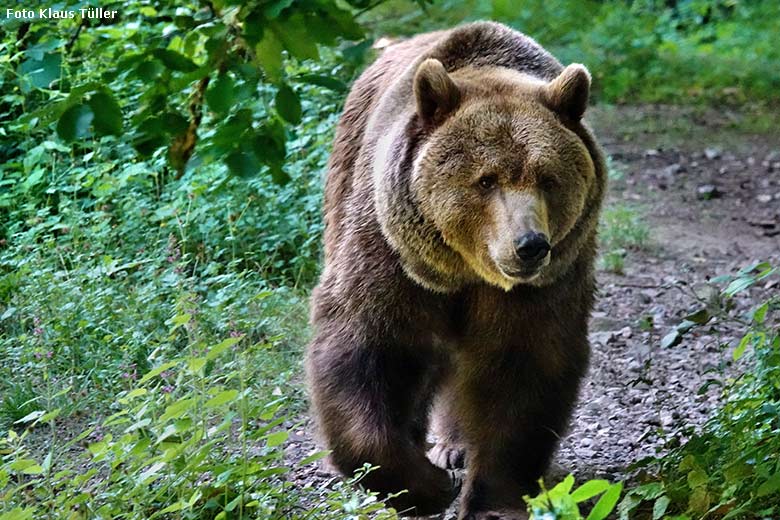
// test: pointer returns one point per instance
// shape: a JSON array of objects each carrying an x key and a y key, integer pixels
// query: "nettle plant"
[{"x": 188, "y": 440}]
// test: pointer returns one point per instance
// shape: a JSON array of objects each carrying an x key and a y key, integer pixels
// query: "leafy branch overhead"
[{"x": 205, "y": 79}]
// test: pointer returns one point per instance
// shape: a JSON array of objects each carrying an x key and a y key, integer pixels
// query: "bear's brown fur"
[{"x": 454, "y": 148}]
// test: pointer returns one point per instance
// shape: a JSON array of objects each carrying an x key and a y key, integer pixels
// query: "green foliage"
[
  {"x": 621, "y": 230},
  {"x": 561, "y": 503},
  {"x": 212, "y": 82},
  {"x": 679, "y": 51},
  {"x": 47, "y": 187},
  {"x": 729, "y": 469},
  {"x": 103, "y": 259},
  {"x": 160, "y": 190},
  {"x": 189, "y": 437}
]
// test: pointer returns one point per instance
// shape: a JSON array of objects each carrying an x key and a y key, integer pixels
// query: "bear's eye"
[
  {"x": 549, "y": 183},
  {"x": 487, "y": 182}
]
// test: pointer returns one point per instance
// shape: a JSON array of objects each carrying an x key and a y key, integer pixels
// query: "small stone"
[
  {"x": 602, "y": 338},
  {"x": 625, "y": 332},
  {"x": 291, "y": 449},
  {"x": 712, "y": 153},
  {"x": 708, "y": 192},
  {"x": 586, "y": 453},
  {"x": 764, "y": 198},
  {"x": 674, "y": 169},
  {"x": 652, "y": 152}
]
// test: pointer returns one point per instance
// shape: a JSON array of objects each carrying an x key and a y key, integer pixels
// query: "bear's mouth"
[
  {"x": 524, "y": 272},
  {"x": 524, "y": 275}
]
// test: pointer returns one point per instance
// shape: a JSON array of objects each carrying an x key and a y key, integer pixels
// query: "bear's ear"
[
  {"x": 568, "y": 93},
  {"x": 434, "y": 91}
]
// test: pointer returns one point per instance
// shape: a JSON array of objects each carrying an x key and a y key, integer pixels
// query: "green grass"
[{"x": 622, "y": 231}]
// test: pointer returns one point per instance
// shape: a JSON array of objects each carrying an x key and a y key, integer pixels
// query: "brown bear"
[{"x": 461, "y": 207}]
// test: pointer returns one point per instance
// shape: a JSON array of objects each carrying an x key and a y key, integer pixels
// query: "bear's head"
[{"x": 502, "y": 173}]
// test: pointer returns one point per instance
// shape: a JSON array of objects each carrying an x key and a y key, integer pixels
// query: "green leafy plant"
[
  {"x": 562, "y": 502},
  {"x": 188, "y": 438},
  {"x": 234, "y": 64},
  {"x": 678, "y": 51},
  {"x": 137, "y": 230},
  {"x": 729, "y": 469}
]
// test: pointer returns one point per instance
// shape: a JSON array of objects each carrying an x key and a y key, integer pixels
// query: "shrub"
[{"x": 729, "y": 469}]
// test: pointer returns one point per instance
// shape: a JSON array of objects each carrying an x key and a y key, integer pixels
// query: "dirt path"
[
  {"x": 711, "y": 198},
  {"x": 712, "y": 202}
]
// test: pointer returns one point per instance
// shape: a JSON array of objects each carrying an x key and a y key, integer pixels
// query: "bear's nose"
[{"x": 532, "y": 247}]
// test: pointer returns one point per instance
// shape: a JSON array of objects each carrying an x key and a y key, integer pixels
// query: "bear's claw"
[{"x": 447, "y": 455}]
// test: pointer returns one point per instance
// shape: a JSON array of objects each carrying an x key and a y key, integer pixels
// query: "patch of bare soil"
[{"x": 710, "y": 195}]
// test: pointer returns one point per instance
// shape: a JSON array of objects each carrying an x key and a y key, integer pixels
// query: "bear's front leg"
[
  {"x": 371, "y": 398},
  {"x": 514, "y": 410},
  {"x": 449, "y": 452}
]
